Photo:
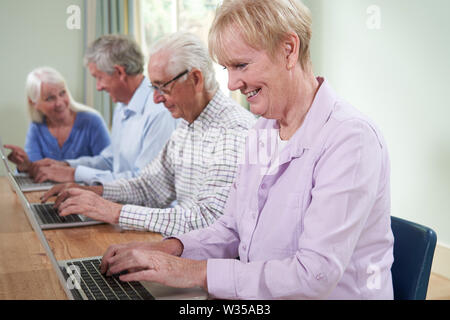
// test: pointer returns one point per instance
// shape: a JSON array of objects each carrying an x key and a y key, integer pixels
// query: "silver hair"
[
  {"x": 186, "y": 51},
  {"x": 115, "y": 49},
  {"x": 33, "y": 87}
]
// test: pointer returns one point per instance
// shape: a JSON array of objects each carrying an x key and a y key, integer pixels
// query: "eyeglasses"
[{"x": 161, "y": 89}]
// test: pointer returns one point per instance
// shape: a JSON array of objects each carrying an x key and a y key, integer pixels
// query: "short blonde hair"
[
  {"x": 263, "y": 24},
  {"x": 33, "y": 87}
]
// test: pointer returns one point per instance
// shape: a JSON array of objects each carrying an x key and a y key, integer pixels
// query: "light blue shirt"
[{"x": 139, "y": 131}]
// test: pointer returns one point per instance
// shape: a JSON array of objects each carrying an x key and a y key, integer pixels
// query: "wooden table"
[{"x": 25, "y": 270}]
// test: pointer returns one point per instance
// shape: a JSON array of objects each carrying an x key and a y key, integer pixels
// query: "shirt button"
[
  {"x": 320, "y": 276},
  {"x": 244, "y": 247}
]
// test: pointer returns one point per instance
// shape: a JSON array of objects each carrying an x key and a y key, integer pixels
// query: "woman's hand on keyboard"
[
  {"x": 19, "y": 157},
  {"x": 144, "y": 263},
  {"x": 171, "y": 246}
]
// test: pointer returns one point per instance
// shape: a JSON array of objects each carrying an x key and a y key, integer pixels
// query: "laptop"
[
  {"x": 48, "y": 217},
  {"x": 23, "y": 180},
  {"x": 85, "y": 282},
  {"x": 82, "y": 280}
]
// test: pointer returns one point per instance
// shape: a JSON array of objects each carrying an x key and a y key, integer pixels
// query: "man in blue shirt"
[{"x": 140, "y": 127}]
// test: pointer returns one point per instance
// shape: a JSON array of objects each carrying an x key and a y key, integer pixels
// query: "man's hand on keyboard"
[
  {"x": 89, "y": 204},
  {"x": 55, "y": 173},
  {"x": 46, "y": 162},
  {"x": 56, "y": 190},
  {"x": 59, "y": 189}
]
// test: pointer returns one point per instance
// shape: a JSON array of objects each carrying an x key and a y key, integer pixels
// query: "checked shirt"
[{"x": 196, "y": 168}]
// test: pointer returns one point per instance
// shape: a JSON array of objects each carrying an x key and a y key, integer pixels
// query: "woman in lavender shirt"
[{"x": 309, "y": 213}]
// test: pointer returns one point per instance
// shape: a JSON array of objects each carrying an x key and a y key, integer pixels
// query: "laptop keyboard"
[
  {"x": 98, "y": 287},
  {"x": 24, "y": 181},
  {"x": 49, "y": 215}
]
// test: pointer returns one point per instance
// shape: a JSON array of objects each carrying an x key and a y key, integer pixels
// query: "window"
[{"x": 160, "y": 17}]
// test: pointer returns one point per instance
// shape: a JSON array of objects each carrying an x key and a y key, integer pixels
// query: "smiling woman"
[
  {"x": 61, "y": 128},
  {"x": 257, "y": 65},
  {"x": 53, "y": 103},
  {"x": 311, "y": 223},
  {"x": 250, "y": 71}
]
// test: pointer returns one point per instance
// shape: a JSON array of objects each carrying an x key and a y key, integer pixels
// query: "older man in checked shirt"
[{"x": 197, "y": 165}]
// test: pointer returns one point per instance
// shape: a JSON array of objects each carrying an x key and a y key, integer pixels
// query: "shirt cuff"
[
  {"x": 82, "y": 174},
  {"x": 134, "y": 217},
  {"x": 111, "y": 192},
  {"x": 72, "y": 163},
  {"x": 220, "y": 275},
  {"x": 189, "y": 247}
]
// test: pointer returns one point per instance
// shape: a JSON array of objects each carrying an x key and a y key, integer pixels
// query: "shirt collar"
[
  {"x": 138, "y": 100},
  {"x": 317, "y": 115},
  {"x": 209, "y": 113},
  {"x": 315, "y": 119}
]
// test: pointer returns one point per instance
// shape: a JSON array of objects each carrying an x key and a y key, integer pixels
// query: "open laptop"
[
  {"x": 46, "y": 216},
  {"x": 82, "y": 280},
  {"x": 85, "y": 282},
  {"x": 24, "y": 181},
  {"x": 49, "y": 218}
]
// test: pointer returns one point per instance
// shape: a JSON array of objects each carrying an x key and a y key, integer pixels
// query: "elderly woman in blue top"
[{"x": 61, "y": 128}]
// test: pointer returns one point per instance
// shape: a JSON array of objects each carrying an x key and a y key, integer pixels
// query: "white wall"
[
  {"x": 399, "y": 76},
  {"x": 34, "y": 33}
]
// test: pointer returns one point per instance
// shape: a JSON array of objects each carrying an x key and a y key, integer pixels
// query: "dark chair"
[{"x": 414, "y": 246}]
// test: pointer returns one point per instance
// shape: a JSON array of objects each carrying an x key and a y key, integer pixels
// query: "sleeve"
[
  {"x": 157, "y": 133},
  {"x": 220, "y": 240},
  {"x": 99, "y": 169},
  {"x": 88, "y": 168},
  {"x": 211, "y": 197},
  {"x": 33, "y": 146},
  {"x": 153, "y": 187},
  {"x": 346, "y": 177},
  {"x": 99, "y": 137}
]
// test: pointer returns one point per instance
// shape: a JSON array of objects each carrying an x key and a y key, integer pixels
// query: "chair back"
[{"x": 414, "y": 246}]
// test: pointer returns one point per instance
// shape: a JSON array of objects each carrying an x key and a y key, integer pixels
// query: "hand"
[
  {"x": 35, "y": 166},
  {"x": 60, "y": 188},
  {"x": 55, "y": 173},
  {"x": 146, "y": 262},
  {"x": 19, "y": 157},
  {"x": 171, "y": 246},
  {"x": 89, "y": 204}
]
